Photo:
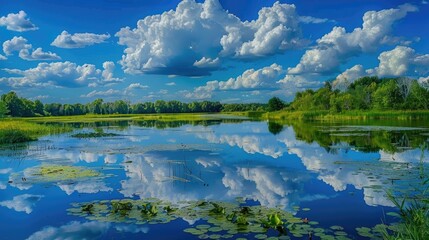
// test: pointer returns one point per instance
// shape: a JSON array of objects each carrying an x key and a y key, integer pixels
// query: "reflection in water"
[
  {"x": 280, "y": 165},
  {"x": 22, "y": 203},
  {"x": 156, "y": 175},
  {"x": 72, "y": 231}
]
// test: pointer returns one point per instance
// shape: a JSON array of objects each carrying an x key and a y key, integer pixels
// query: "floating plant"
[
  {"x": 94, "y": 135},
  {"x": 217, "y": 219}
]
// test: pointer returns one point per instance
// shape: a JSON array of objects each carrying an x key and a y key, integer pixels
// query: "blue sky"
[{"x": 222, "y": 50}]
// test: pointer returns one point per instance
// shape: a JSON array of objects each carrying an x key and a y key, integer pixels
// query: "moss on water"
[{"x": 59, "y": 172}]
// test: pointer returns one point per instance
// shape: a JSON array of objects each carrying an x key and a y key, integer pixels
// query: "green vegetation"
[
  {"x": 413, "y": 208},
  {"x": 275, "y": 104},
  {"x": 18, "y": 131},
  {"x": 217, "y": 219},
  {"x": 365, "y": 136},
  {"x": 59, "y": 172},
  {"x": 15, "y": 106},
  {"x": 94, "y": 135},
  {"x": 366, "y": 98},
  {"x": 11, "y": 136}
]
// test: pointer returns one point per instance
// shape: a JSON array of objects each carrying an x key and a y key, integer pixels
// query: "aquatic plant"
[
  {"x": 11, "y": 136},
  {"x": 413, "y": 209},
  {"x": 17, "y": 131},
  {"x": 94, "y": 135},
  {"x": 216, "y": 219}
]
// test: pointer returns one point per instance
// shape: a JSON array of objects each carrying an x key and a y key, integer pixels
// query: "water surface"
[{"x": 334, "y": 174}]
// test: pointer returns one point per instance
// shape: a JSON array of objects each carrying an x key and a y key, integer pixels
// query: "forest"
[
  {"x": 367, "y": 93},
  {"x": 13, "y": 105}
]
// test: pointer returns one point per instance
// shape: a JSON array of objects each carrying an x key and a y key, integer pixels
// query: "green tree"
[
  {"x": 275, "y": 104},
  {"x": 387, "y": 96},
  {"x": 14, "y": 104},
  {"x": 3, "y": 109},
  {"x": 38, "y": 108}
]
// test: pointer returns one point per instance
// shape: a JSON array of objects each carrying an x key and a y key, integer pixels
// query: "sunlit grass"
[
  {"x": 16, "y": 130},
  {"x": 348, "y": 115},
  {"x": 134, "y": 117}
]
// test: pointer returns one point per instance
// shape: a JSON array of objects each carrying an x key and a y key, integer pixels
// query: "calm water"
[{"x": 333, "y": 174}]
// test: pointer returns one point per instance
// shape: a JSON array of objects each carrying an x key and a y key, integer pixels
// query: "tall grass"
[
  {"x": 413, "y": 209},
  {"x": 348, "y": 115},
  {"x": 16, "y": 131}
]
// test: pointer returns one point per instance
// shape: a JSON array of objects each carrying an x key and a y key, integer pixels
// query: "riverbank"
[{"x": 349, "y": 115}]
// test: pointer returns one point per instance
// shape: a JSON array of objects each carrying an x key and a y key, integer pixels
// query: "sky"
[{"x": 232, "y": 51}]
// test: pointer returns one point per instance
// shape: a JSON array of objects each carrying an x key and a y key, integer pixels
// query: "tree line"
[
  {"x": 367, "y": 93},
  {"x": 13, "y": 105}
]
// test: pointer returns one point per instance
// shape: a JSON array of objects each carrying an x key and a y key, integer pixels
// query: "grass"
[
  {"x": 126, "y": 117},
  {"x": 348, "y": 115},
  {"x": 413, "y": 209},
  {"x": 94, "y": 135},
  {"x": 18, "y": 131}
]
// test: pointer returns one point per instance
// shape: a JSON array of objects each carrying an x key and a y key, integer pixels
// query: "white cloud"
[
  {"x": 17, "y": 22},
  {"x": 131, "y": 228},
  {"x": 96, "y": 93},
  {"x": 107, "y": 73},
  {"x": 202, "y": 34},
  {"x": 78, "y": 40},
  {"x": 315, "y": 20},
  {"x": 72, "y": 231},
  {"x": 343, "y": 80},
  {"x": 2, "y": 57},
  {"x": 171, "y": 84},
  {"x": 22, "y": 203},
  {"x": 133, "y": 86},
  {"x": 207, "y": 63},
  {"x": 15, "y": 44},
  {"x": 338, "y": 46},
  {"x": 21, "y": 45},
  {"x": 63, "y": 74},
  {"x": 401, "y": 61},
  {"x": 250, "y": 79},
  {"x": 92, "y": 186}
]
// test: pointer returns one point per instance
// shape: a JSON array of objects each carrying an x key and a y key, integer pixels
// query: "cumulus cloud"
[
  {"x": 171, "y": 84},
  {"x": 400, "y": 61},
  {"x": 22, "y": 203},
  {"x": 96, "y": 93},
  {"x": 63, "y": 74},
  {"x": 17, "y": 22},
  {"x": 26, "y": 51},
  {"x": 207, "y": 63},
  {"x": 133, "y": 86},
  {"x": 107, "y": 73},
  {"x": 2, "y": 57},
  {"x": 204, "y": 33},
  {"x": 72, "y": 231},
  {"x": 78, "y": 40},
  {"x": 343, "y": 80},
  {"x": 338, "y": 46},
  {"x": 251, "y": 79}
]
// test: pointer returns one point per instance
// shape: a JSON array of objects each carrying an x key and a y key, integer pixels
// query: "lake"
[{"x": 227, "y": 178}]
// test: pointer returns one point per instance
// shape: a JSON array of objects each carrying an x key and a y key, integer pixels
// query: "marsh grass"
[
  {"x": 348, "y": 115},
  {"x": 413, "y": 209},
  {"x": 18, "y": 131}
]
